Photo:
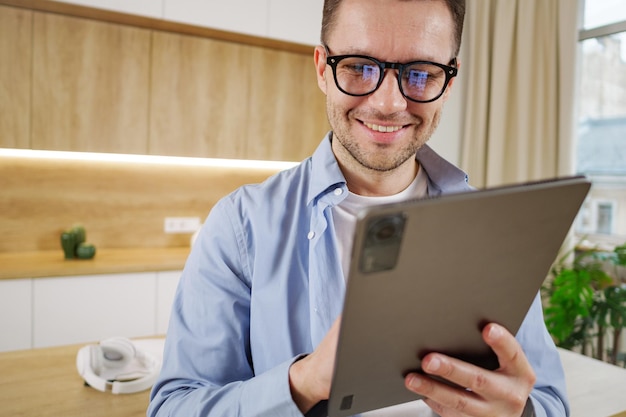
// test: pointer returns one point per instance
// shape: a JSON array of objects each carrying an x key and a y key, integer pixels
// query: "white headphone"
[{"x": 116, "y": 364}]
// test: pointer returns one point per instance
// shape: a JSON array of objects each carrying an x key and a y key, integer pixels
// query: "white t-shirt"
[
  {"x": 344, "y": 217},
  {"x": 344, "y": 214}
]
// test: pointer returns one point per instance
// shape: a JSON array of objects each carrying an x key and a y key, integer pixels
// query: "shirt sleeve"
[
  {"x": 549, "y": 397},
  {"x": 207, "y": 366}
]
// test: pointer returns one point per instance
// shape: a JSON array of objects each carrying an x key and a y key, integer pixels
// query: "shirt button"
[
  {"x": 338, "y": 191},
  {"x": 311, "y": 235}
]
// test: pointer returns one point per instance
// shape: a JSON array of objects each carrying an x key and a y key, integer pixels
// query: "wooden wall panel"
[
  {"x": 199, "y": 95},
  {"x": 15, "y": 76},
  {"x": 90, "y": 85},
  {"x": 121, "y": 204},
  {"x": 287, "y": 109}
]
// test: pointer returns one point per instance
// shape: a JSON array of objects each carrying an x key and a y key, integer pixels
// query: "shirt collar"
[
  {"x": 326, "y": 175},
  {"x": 442, "y": 175},
  {"x": 324, "y": 169}
]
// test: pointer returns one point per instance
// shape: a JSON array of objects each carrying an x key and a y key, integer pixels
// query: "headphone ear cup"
[
  {"x": 116, "y": 352},
  {"x": 151, "y": 366},
  {"x": 89, "y": 367},
  {"x": 83, "y": 360},
  {"x": 95, "y": 359}
]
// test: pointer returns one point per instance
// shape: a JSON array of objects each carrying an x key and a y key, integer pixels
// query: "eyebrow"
[{"x": 356, "y": 51}]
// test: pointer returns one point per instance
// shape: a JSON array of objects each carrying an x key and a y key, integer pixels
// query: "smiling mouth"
[{"x": 383, "y": 129}]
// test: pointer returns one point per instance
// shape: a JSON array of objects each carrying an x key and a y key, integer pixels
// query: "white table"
[{"x": 595, "y": 388}]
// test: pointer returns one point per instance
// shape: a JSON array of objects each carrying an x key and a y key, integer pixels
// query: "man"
[{"x": 254, "y": 326}]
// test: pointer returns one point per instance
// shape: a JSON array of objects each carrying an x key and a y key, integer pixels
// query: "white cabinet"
[
  {"x": 166, "y": 283},
  {"x": 84, "y": 309},
  {"x": 90, "y": 308},
  {"x": 15, "y": 314}
]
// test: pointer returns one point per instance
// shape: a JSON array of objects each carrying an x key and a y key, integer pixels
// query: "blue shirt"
[{"x": 262, "y": 286}]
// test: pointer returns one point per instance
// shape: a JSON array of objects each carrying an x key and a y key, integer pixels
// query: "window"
[
  {"x": 601, "y": 119},
  {"x": 597, "y": 217}
]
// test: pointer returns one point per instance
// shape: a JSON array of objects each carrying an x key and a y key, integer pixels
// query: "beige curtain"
[{"x": 520, "y": 65}]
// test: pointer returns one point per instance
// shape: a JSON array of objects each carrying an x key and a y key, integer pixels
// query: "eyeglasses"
[{"x": 419, "y": 81}]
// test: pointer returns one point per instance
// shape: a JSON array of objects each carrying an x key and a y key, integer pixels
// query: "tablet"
[{"x": 427, "y": 275}]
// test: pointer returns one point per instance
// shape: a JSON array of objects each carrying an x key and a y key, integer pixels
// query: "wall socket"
[{"x": 181, "y": 224}]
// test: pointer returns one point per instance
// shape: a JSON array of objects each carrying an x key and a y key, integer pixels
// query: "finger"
[
  {"x": 446, "y": 400},
  {"x": 465, "y": 375},
  {"x": 503, "y": 390},
  {"x": 510, "y": 355},
  {"x": 444, "y": 411},
  {"x": 513, "y": 363},
  {"x": 485, "y": 393}
]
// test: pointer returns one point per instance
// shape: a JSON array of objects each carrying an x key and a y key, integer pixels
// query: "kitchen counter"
[
  {"x": 42, "y": 264},
  {"x": 44, "y": 382}
]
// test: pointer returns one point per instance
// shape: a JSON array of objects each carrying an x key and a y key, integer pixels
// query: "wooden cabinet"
[
  {"x": 286, "y": 109},
  {"x": 199, "y": 93},
  {"x": 225, "y": 100},
  {"x": 15, "y": 77},
  {"x": 90, "y": 85},
  {"x": 80, "y": 84}
]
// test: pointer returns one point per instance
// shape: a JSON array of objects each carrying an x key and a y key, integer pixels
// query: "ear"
[
  {"x": 319, "y": 57},
  {"x": 449, "y": 88}
]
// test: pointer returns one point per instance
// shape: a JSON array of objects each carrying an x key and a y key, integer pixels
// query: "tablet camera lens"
[{"x": 382, "y": 244}]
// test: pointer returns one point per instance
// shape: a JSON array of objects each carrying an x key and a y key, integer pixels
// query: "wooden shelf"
[{"x": 107, "y": 261}]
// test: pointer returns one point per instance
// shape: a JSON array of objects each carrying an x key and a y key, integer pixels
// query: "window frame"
[{"x": 584, "y": 34}]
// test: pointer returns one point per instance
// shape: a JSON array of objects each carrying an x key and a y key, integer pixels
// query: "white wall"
[
  {"x": 150, "y": 8},
  {"x": 296, "y": 21},
  {"x": 447, "y": 138}
]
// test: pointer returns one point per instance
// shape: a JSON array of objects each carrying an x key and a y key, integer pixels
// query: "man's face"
[{"x": 392, "y": 31}]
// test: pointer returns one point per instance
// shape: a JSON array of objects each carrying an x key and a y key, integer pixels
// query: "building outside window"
[{"x": 601, "y": 118}]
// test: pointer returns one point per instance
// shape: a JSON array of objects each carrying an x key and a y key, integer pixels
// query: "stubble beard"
[{"x": 340, "y": 124}]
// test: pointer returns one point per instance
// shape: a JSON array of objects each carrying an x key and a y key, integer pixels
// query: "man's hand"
[
  {"x": 503, "y": 392},
  {"x": 310, "y": 377}
]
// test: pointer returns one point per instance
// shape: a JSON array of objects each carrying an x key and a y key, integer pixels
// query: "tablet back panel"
[{"x": 427, "y": 275}]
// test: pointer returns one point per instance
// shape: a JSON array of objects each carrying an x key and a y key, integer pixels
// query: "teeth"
[{"x": 384, "y": 129}]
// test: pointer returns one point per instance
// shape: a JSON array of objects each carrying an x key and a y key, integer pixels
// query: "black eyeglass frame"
[{"x": 450, "y": 71}]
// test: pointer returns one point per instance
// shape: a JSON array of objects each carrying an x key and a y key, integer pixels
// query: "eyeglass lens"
[{"x": 361, "y": 76}]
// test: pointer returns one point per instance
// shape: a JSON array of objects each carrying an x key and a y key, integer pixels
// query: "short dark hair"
[{"x": 456, "y": 7}]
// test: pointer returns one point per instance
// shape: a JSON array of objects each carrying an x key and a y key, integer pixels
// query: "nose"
[{"x": 387, "y": 98}]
